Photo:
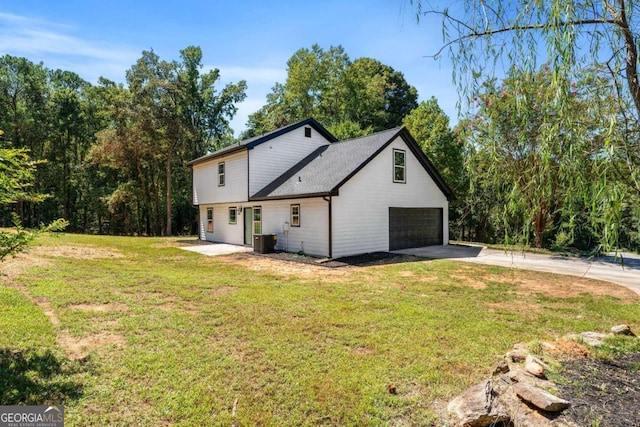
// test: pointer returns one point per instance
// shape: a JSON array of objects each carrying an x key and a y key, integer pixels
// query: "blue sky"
[{"x": 245, "y": 39}]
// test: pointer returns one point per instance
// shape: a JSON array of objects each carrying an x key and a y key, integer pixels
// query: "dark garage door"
[{"x": 414, "y": 227}]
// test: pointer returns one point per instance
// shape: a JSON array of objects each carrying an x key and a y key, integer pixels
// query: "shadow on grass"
[{"x": 31, "y": 377}]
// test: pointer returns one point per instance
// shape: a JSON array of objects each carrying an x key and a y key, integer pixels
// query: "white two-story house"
[{"x": 321, "y": 196}]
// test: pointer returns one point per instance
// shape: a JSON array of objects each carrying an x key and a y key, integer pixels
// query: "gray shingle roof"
[{"x": 324, "y": 170}]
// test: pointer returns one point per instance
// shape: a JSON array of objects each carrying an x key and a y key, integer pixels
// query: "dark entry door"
[
  {"x": 414, "y": 227},
  {"x": 248, "y": 226}
]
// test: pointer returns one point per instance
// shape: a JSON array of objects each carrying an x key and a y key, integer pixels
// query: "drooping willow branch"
[{"x": 512, "y": 28}]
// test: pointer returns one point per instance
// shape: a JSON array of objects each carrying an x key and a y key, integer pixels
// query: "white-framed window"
[
  {"x": 209, "y": 220},
  {"x": 220, "y": 174},
  {"x": 295, "y": 215},
  {"x": 399, "y": 166},
  {"x": 233, "y": 215},
  {"x": 257, "y": 220}
]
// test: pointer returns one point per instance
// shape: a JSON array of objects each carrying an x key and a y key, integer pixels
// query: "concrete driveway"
[{"x": 605, "y": 268}]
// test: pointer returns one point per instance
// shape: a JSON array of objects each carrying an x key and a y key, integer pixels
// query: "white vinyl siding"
[
  {"x": 206, "y": 188},
  {"x": 312, "y": 236},
  {"x": 223, "y": 231},
  {"x": 361, "y": 211},
  {"x": 271, "y": 159}
]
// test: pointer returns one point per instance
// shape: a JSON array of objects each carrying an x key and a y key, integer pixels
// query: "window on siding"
[
  {"x": 295, "y": 215},
  {"x": 399, "y": 166},
  {"x": 233, "y": 215},
  {"x": 220, "y": 174},
  {"x": 307, "y": 132},
  {"x": 209, "y": 220},
  {"x": 257, "y": 220}
]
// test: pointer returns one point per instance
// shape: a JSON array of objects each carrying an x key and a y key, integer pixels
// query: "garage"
[{"x": 414, "y": 227}]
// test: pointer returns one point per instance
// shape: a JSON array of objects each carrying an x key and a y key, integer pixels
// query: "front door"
[{"x": 248, "y": 226}]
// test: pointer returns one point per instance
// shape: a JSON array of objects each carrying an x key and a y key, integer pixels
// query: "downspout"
[
  {"x": 330, "y": 228},
  {"x": 248, "y": 177}
]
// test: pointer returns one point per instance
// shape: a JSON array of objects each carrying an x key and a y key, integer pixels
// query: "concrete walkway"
[
  {"x": 214, "y": 249},
  {"x": 605, "y": 268}
]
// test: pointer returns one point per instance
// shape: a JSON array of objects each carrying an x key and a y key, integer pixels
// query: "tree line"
[
  {"x": 112, "y": 155},
  {"x": 526, "y": 166}
]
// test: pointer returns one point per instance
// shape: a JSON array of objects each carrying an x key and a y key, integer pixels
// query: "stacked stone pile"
[{"x": 518, "y": 393}]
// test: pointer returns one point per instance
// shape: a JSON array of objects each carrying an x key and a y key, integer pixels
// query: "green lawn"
[{"x": 176, "y": 338}]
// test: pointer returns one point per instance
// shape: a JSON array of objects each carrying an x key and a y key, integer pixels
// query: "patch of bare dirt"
[
  {"x": 548, "y": 284},
  {"x": 80, "y": 347},
  {"x": 103, "y": 308},
  {"x": 13, "y": 267},
  {"x": 286, "y": 267},
  {"x": 76, "y": 252},
  {"x": 564, "y": 347},
  {"x": 223, "y": 291},
  {"x": 470, "y": 281},
  {"x": 363, "y": 351}
]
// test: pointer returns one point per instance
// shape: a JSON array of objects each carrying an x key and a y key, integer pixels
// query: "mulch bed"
[
  {"x": 603, "y": 392},
  {"x": 364, "y": 260}
]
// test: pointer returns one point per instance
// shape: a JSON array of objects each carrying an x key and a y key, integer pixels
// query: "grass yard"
[{"x": 133, "y": 331}]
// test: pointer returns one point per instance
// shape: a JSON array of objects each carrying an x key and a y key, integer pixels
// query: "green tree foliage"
[
  {"x": 17, "y": 175},
  {"x": 598, "y": 39},
  {"x": 49, "y": 114},
  {"x": 539, "y": 161},
  {"x": 351, "y": 97},
  {"x": 429, "y": 125},
  {"x": 114, "y": 154},
  {"x": 168, "y": 114}
]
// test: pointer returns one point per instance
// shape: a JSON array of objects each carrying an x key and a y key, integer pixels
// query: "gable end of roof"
[
  {"x": 404, "y": 133},
  {"x": 250, "y": 143},
  {"x": 426, "y": 163},
  {"x": 365, "y": 162}
]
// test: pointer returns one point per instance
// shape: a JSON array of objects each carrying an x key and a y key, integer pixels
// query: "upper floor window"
[
  {"x": 399, "y": 166},
  {"x": 307, "y": 132},
  {"x": 220, "y": 174},
  {"x": 295, "y": 215}
]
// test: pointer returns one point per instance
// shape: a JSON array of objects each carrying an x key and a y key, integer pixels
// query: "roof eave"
[
  {"x": 294, "y": 196},
  {"x": 307, "y": 122},
  {"x": 215, "y": 155}
]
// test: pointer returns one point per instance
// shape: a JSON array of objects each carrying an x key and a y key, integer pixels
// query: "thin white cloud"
[
  {"x": 255, "y": 75},
  {"x": 56, "y": 46},
  {"x": 21, "y": 34}
]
